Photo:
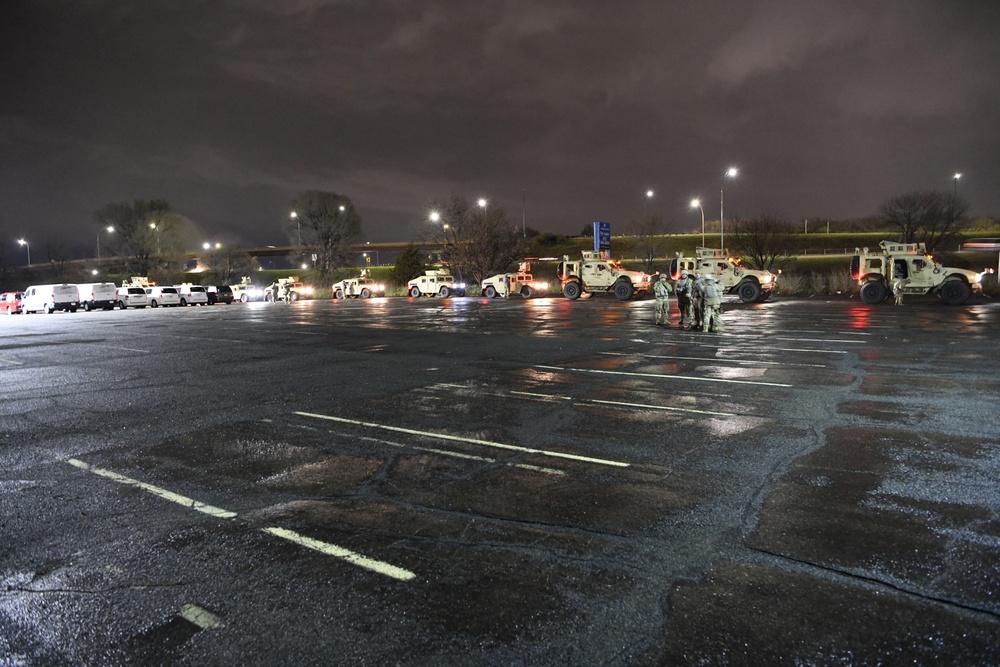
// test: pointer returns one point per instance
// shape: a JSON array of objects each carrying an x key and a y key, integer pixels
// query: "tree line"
[{"x": 474, "y": 241}]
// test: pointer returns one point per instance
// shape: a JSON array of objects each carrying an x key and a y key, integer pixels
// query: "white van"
[
  {"x": 50, "y": 298},
  {"x": 132, "y": 297},
  {"x": 192, "y": 294},
  {"x": 162, "y": 296},
  {"x": 98, "y": 295}
]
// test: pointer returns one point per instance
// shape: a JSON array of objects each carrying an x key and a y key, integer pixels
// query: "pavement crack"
[{"x": 868, "y": 579}]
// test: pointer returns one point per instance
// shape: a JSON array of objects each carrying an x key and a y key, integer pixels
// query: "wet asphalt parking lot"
[{"x": 538, "y": 482}]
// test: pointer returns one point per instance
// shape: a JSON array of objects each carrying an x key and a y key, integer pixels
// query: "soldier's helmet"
[
  {"x": 684, "y": 274},
  {"x": 663, "y": 277}
]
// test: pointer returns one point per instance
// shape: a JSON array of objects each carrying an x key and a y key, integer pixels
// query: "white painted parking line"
[
  {"x": 471, "y": 441},
  {"x": 584, "y": 401},
  {"x": 218, "y": 340},
  {"x": 460, "y": 455},
  {"x": 667, "y": 408},
  {"x": 818, "y": 340},
  {"x": 714, "y": 359},
  {"x": 693, "y": 378},
  {"x": 126, "y": 349},
  {"x": 324, "y": 547},
  {"x": 155, "y": 490},
  {"x": 343, "y": 554},
  {"x": 11, "y": 361}
]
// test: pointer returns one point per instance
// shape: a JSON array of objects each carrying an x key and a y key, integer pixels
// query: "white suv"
[
  {"x": 192, "y": 294},
  {"x": 132, "y": 297},
  {"x": 163, "y": 296}
]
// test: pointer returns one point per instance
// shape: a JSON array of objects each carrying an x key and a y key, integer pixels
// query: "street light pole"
[
  {"x": 26, "y": 247},
  {"x": 298, "y": 228},
  {"x": 156, "y": 229},
  {"x": 957, "y": 176},
  {"x": 649, "y": 195},
  {"x": 722, "y": 216},
  {"x": 696, "y": 203},
  {"x": 109, "y": 229}
]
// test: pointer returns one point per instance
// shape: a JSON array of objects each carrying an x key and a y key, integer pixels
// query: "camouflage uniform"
[
  {"x": 274, "y": 292},
  {"x": 662, "y": 292},
  {"x": 683, "y": 291},
  {"x": 712, "y": 317},
  {"x": 897, "y": 290},
  {"x": 697, "y": 306}
]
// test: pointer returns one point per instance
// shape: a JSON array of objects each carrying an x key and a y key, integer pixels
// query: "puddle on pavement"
[{"x": 915, "y": 508}]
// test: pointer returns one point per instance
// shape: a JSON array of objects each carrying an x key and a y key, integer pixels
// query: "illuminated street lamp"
[
  {"x": 110, "y": 230},
  {"x": 696, "y": 203},
  {"x": 649, "y": 195},
  {"x": 955, "y": 179},
  {"x": 434, "y": 216},
  {"x": 26, "y": 247},
  {"x": 156, "y": 229},
  {"x": 482, "y": 203},
  {"x": 731, "y": 173},
  {"x": 298, "y": 229}
]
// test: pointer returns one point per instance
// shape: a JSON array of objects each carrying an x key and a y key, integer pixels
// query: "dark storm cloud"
[{"x": 227, "y": 109}]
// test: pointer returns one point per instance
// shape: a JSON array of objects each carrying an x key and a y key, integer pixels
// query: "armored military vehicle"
[
  {"x": 597, "y": 273},
  {"x": 435, "y": 282},
  {"x": 507, "y": 284},
  {"x": 877, "y": 270},
  {"x": 733, "y": 278},
  {"x": 360, "y": 287}
]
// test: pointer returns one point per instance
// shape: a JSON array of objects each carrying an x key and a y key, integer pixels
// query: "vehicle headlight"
[
  {"x": 460, "y": 285},
  {"x": 543, "y": 285}
]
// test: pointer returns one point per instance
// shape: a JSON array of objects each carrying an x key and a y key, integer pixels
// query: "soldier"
[
  {"x": 712, "y": 316},
  {"x": 683, "y": 291},
  {"x": 897, "y": 290},
  {"x": 662, "y": 292},
  {"x": 697, "y": 306},
  {"x": 274, "y": 292}
]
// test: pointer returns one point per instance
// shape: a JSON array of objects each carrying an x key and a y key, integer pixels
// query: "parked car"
[
  {"x": 50, "y": 298},
  {"x": 219, "y": 294},
  {"x": 162, "y": 296},
  {"x": 10, "y": 302},
  {"x": 132, "y": 297},
  {"x": 97, "y": 295},
  {"x": 194, "y": 295}
]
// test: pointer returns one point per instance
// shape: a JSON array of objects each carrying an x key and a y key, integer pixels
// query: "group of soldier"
[{"x": 699, "y": 301}]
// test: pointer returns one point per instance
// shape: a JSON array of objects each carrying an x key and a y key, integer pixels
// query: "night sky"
[{"x": 228, "y": 109}]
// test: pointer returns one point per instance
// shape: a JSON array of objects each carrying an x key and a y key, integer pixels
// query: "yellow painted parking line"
[
  {"x": 471, "y": 441},
  {"x": 200, "y": 616},
  {"x": 343, "y": 554},
  {"x": 324, "y": 547},
  {"x": 155, "y": 490},
  {"x": 693, "y": 378}
]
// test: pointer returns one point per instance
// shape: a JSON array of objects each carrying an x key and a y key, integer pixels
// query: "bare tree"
[
  {"x": 647, "y": 238},
  {"x": 229, "y": 263},
  {"x": 328, "y": 224},
  {"x": 762, "y": 240},
  {"x": 926, "y": 216},
  {"x": 142, "y": 230},
  {"x": 479, "y": 241}
]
